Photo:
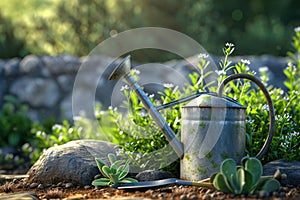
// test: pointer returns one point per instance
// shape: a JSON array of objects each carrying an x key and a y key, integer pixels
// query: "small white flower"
[
  {"x": 228, "y": 44},
  {"x": 151, "y": 95},
  {"x": 202, "y": 55},
  {"x": 287, "y": 116},
  {"x": 124, "y": 87},
  {"x": 297, "y": 29},
  {"x": 101, "y": 112},
  {"x": 57, "y": 126},
  {"x": 245, "y": 61},
  {"x": 291, "y": 65},
  {"x": 265, "y": 107},
  {"x": 143, "y": 113},
  {"x": 281, "y": 92},
  {"x": 253, "y": 72},
  {"x": 220, "y": 72},
  {"x": 263, "y": 69},
  {"x": 168, "y": 85},
  {"x": 135, "y": 71},
  {"x": 138, "y": 156},
  {"x": 295, "y": 134},
  {"x": 41, "y": 133}
]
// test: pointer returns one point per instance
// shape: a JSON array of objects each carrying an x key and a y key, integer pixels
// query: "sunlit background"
[{"x": 75, "y": 27}]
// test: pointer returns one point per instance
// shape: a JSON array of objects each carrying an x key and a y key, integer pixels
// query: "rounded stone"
[
  {"x": 289, "y": 170},
  {"x": 183, "y": 197},
  {"x": 61, "y": 64},
  {"x": 31, "y": 64},
  {"x": 11, "y": 67},
  {"x": 73, "y": 162},
  {"x": 68, "y": 185},
  {"x": 87, "y": 187},
  {"x": 40, "y": 186},
  {"x": 33, "y": 185},
  {"x": 38, "y": 92}
]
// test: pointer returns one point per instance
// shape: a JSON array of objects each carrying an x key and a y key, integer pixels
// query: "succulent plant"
[
  {"x": 114, "y": 174},
  {"x": 244, "y": 179}
]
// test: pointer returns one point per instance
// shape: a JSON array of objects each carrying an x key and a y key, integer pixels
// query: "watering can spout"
[{"x": 123, "y": 70}]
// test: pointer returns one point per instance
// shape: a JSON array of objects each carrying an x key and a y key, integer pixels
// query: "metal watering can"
[{"x": 213, "y": 125}]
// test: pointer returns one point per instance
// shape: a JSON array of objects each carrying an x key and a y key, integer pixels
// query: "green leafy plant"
[
  {"x": 15, "y": 124},
  {"x": 115, "y": 173},
  {"x": 244, "y": 179}
]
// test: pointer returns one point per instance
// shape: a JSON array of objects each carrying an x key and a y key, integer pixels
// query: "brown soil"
[{"x": 168, "y": 192}]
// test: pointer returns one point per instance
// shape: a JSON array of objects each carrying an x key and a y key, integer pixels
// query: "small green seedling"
[
  {"x": 115, "y": 174},
  {"x": 245, "y": 179}
]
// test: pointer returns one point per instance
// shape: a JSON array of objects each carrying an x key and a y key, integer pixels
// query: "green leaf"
[
  {"x": 234, "y": 184},
  {"x": 123, "y": 171},
  {"x": 266, "y": 184},
  {"x": 241, "y": 180},
  {"x": 101, "y": 182},
  {"x": 100, "y": 164},
  {"x": 244, "y": 160},
  {"x": 114, "y": 178},
  {"x": 254, "y": 166},
  {"x": 212, "y": 177},
  {"x": 270, "y": 185},
  {"x": 220, "y": 183},
  {"x": 117, "y": 164},
  {"x": 106, "y": 171},
  {"x": 112, "y": 158},
  {"x": 128, "y": 180},
  {"x": 228, "y": 169},
  {"x": 248, "y": 182}
]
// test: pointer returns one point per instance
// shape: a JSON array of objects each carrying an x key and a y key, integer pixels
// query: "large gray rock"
[
  {"x": 31, "y": 65},
  {"x": 65, "y": 82},
  {"x": 291, "y": 169},
  {"x": 62, "y": 64},
  {"x": 38, "y": 92},
  {"x": 66, "y": 108},
  {"x": 72, "y": 162},
  {"x": 11, "y": 67}
]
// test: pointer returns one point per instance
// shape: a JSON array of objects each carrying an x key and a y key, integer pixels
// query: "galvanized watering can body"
[
  {"x": 212, "y": 129},
  {"x": 213, "y": 126}
]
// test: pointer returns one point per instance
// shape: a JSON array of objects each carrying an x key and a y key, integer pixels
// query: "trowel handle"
[{"x": 269, "y": 101}]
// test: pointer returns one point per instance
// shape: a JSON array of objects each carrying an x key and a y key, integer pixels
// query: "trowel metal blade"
[{"x": 156, "y": 183}]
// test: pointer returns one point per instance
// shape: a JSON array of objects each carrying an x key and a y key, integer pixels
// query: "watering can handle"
[{"x": 266, "y": 145}]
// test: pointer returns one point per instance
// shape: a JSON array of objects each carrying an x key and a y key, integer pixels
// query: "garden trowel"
[{"x": 168, "y": 181}]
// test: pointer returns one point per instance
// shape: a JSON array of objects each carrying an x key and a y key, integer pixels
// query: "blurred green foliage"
[
  {"x": 10, "y": 44},
  {"x": 15, "y": 125},
  {"x": 77, "y": 26}
]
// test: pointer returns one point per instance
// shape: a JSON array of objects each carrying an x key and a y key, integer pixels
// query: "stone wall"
[{"x": 45, "y": 83}]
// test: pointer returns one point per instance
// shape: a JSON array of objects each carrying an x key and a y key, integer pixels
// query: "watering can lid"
[{"x": 213, "y": 101}]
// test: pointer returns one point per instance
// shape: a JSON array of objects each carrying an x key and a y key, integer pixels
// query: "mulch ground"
[
  {"x": 168, "y": 192},
  {"x": 9, "y": 187}
]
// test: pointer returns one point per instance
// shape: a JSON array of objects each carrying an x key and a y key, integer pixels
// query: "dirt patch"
[{"x": 168, "y": 192}]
